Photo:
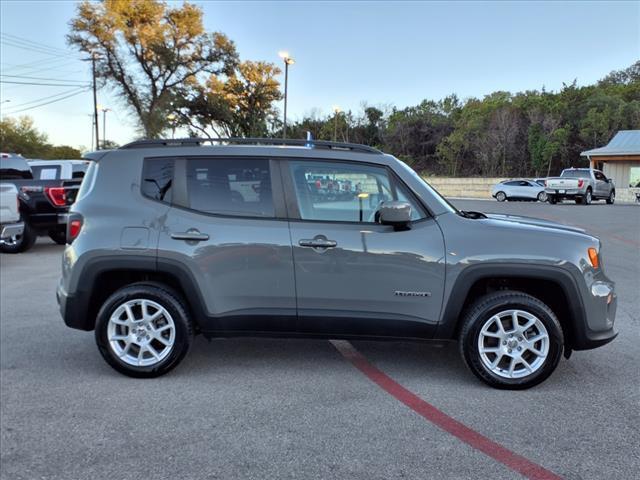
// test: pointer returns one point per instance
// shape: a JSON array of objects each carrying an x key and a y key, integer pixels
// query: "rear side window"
[
  {"x": 238, "y": 186},
  {"x": 157, "y": 179},
  {"x": 46, "y": 172}
]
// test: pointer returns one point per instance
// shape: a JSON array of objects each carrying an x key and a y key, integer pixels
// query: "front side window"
[
  {"x": 236, "y": 186},
  {"x": 344, "y": 192}
]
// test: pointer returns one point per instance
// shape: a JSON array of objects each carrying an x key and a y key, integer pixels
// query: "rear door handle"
[
  {"x": 190, "y": 235},
  {"x": 318, "y": 243}
]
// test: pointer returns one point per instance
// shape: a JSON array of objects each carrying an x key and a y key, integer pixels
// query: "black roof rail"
[{"x": 184, "y": 142}]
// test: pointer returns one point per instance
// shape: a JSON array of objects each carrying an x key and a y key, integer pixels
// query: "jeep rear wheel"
[
  {"x": 143, "y": 330},
  {"x": 511, "y": 340}
]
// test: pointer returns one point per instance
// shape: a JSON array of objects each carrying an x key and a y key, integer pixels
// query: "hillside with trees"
[{"x": 532, "y": 133}]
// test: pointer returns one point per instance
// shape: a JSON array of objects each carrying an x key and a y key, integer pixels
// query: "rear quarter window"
[{"x": 157, "y": 179}]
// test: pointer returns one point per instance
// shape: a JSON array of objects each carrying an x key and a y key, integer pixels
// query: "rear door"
[
  {"x": 227, "y": 229},
  {"x": 353, "y": 275}
]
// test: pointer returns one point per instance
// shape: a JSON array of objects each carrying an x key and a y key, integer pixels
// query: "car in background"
[
  {"x": 10, "y": 224},
  {"x": 44, "y": 203},
  {"x": 583, "y": 185},
  {"x": 58, "y": 169},
  {"x": 522, "y": 189}
]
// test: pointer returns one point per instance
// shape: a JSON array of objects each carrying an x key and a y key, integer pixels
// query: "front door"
[
  {"x": 353, "y": 275},
  {"x": 226, "y": 228}
]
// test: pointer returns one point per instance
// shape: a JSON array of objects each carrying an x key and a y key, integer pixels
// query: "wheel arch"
[
  {"x": 552, "y": 285},
  {"x": 103, "y": 276}
]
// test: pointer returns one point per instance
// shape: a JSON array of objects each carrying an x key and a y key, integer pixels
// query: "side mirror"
[
  {"x": 608, "y": 180},
  {"x": 395, "y": 213}
]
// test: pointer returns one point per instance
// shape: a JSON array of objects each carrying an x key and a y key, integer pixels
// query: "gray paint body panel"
[{"x": 255, "y": 268}]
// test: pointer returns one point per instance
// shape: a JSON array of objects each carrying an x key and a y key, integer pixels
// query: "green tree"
[
  {"x": 146, "y": 50},
  {"x": 21, "y": 136},
  {"x": 237, "y": 105}
]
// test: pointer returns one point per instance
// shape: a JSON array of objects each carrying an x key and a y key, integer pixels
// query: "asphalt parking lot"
[{"x": 249, "y": 408}]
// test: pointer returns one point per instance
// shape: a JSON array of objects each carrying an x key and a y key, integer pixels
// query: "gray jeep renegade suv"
[{"x": 172, "y": 238}]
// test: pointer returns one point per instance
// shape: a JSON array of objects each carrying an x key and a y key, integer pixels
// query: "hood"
[{"x": 533, "y": 221}]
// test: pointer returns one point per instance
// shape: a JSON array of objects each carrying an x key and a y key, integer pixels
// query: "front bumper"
[
  {"x": 11, "y": 230},
  {"x": 601, "y": 303}
]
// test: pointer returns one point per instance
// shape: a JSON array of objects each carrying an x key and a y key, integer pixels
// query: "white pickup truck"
[
  {"x": 580, "y": 184},
  {"x": 10, "y": 225}
]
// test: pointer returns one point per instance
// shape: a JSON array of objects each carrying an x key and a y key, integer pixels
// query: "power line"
[
  {"x": 49, "y": 102},
  {"x": 41, "y": 78},
  {"x": 23, "y": 40},
  {"x": 48, "y": 97},
  {"x": 33, "y": 46},
  {"x": 41, "y": 84},
  {"x": 44, "y": 52}
]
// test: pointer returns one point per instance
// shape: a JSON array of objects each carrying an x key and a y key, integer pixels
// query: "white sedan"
[{"x": 519, "y": 190}]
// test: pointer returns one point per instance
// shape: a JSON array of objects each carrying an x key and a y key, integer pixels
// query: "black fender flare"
[{"x": 453, "y": 310}]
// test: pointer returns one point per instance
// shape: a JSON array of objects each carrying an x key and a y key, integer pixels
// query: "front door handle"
[
  {"x": 318, "y": 243},
  {"x": 192, "y": 235}
]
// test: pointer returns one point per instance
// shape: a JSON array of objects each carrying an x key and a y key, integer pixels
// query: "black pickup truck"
[{"x": 44, "y": 204}]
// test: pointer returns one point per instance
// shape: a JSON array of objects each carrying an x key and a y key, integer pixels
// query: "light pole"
[
  {"x": 94, "y": 57},
  {"x": 172, "y": 118},
  {"x": 287, "y": 61},
  {"x": 104, "y": 126},
  {"x": 336, "y": 111}
]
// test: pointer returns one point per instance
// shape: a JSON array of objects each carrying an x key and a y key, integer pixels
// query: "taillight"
[
  {"x": 74, "y": 226},
  {"x": 56, "y": 195},
  {"x": 580, "y": 183}
]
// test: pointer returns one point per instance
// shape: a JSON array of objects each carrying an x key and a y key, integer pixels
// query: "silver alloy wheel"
[
  {"x": 501, "y": 196},
  {"x": 513, "y": 344},
  {"x": 588, "y": 197},
  {"x": 141, "y": 332},
  {"x": 542, "y": 197}
]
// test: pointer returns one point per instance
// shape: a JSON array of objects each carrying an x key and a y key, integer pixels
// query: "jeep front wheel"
[
  {"x": 143, "y": 330},
  {"x": 511, "y": 340}
]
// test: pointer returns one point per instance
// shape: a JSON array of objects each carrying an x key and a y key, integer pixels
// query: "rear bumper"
[
  {"x": 11, "y": 230},
  {"x": 73, "y": 310}
]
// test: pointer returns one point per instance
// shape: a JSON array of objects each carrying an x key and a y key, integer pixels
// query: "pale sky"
[{"x": 346, "y": 53}]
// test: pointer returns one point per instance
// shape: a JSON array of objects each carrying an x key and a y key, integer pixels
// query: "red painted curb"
[{"x": 443, "y": 421}]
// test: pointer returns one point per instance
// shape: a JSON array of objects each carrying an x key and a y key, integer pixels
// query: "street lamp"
[
  {"x": 336, "y": 111},
  {"x": 287, "y": 61},
  {"x": 104, "y": 126},
  {"x": 172, "y": 117}
]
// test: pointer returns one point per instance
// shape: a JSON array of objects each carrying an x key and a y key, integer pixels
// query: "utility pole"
[{"x": 95, "y": 98}]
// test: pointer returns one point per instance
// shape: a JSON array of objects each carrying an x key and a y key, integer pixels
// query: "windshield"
[
  {"x": 443, "y": 201},
  {"x": 575, "y": 173}
]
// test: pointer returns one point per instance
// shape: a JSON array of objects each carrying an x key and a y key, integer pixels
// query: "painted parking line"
[{"x": 443, "y": 421}]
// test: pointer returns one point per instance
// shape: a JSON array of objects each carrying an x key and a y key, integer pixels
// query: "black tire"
[
  {"x": 578, "y": 200},
  {"x": 552, "y": 199},
  {"x": 542, "y": 197},
  {"x": 169, "y": 300},
  {"x": 501, "y": 196},
  {"x": 612, "y": 197},
  {"x": 485, "y": 308},
  {"x": 58, "y": 235},
  {"x": 20, "y": 243},
  {"x": 586, "y": 200}
]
